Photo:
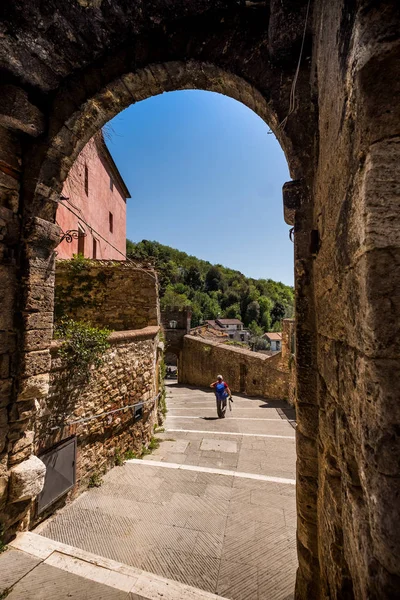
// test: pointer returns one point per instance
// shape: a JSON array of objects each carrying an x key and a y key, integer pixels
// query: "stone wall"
[
  {"x": 73, "y": 407},
  {"x": 353, "y": 528},
  {"x": 289, "y": 356},
  {"x": 246, "y": 372},
  {"x": 113, "y": 294},
  {"x": 10, "y": 172}
]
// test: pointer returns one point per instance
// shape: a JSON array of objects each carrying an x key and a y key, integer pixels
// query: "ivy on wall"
[{"x": 83, "y": 346}]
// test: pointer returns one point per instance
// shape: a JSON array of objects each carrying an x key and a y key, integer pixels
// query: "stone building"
[
  {"x": 233, "y": 327},
  {"x": 93, "y": 205},
  {"x": 324, "y": 77},
  {"x": 275, "y": 340}
]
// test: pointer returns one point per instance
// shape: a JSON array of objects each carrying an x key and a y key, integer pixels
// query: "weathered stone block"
[
  {"x": 18, "y": 113},
  {"x": 5, "y": 391},
  {"x": 36, "y": 386},
  {"x": 3, "y": 488},
  {"x": 39, "y": 339},
  {"x": 39, "y": 298},
  {"x": 9, "y": 224},
  {"x": 4, "y": 366},
  {"x": 27, "y": 479},
  {"x": 24, "y": 442},
  {"x": 7, "y": 296},
  {"x": 36, "y": 363},
  {"x": 42, "y": 320}
]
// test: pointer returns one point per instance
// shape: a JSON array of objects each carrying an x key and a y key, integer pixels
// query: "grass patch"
[
  {"x": 130, "y": 454},
  {"x": 95, "y": 480},
  {"x": 118, "y": 458},
  {"x": 154, "y": 444}
]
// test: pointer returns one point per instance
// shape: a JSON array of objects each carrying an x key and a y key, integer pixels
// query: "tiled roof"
[
  {"x": 273, "y": 336},
  {"x": 229, "y": 321},
  {"x": 213, "y": 324}
]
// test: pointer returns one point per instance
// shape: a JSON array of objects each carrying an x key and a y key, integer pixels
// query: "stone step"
[{"x": 100, "y": 570}]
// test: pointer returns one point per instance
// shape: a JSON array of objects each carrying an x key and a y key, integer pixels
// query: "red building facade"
[{"x": 94, "y": 205}]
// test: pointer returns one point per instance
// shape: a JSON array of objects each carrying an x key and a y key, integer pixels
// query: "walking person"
[{"x": 222, "y": 393}]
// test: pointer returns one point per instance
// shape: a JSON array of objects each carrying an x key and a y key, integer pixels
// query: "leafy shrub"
[{"x": 83, "y": 346}]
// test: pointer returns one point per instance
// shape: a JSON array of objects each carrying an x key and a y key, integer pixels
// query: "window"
[
  {"x": 111, "y": 184},
  {"x": 86, "y": 180},
  {"x": 111, "y": 221},
  {"x": 81, "y": 241},
  {"x": 94, "y": 248}
]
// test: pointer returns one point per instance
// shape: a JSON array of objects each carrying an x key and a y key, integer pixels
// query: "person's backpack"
[{"x": 220, "y": 391}]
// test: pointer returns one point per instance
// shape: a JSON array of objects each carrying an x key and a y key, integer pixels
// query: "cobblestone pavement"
[{"x": 213, "y": 507}]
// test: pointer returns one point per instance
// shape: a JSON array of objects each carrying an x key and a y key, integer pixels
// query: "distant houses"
[
  {"x": 275, "y": 340},
  {"x": 233, "y": 327}
]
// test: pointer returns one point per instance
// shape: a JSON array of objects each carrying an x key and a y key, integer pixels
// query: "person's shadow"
[{"x": 210, "y": 418}]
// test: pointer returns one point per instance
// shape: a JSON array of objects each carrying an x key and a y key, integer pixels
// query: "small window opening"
[
  {"x": 86, "y": 180},
  {"x": 81, "y": 241},
  {"x": 111, "y": 184},
  {"x": 94, "y": 248},
  {"x": 111, "y": 221}
]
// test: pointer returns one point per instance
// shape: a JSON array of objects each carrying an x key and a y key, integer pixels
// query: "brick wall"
[
  {"x": 128, "y": 376},
  {"x": 110, "y": 294},
  {"x": 245, "y": 371}
]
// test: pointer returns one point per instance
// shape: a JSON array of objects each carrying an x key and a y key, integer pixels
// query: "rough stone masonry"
[{"x": 68, "y": 67}]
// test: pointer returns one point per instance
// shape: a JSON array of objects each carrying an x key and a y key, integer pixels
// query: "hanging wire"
[
  {"x": 292, "y": 98},
  {"x": 93, "y": 231}
]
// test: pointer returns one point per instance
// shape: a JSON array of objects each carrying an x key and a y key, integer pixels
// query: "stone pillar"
[
  {"x": 10, "y": 165},
  {"x": 298, "y": 212},
  {"x": 18, "y": 119}
]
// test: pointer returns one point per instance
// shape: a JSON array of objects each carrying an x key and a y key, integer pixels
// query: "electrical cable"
[
  {"x": 292, "y": 98},
  {"x": 105, "y": 414}
]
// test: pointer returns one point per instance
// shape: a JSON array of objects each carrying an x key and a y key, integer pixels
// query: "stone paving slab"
[
  {"x": 14, "y": 565},
  {"x": 213, "y": 511},
  {"x": 62, "y": 571}
]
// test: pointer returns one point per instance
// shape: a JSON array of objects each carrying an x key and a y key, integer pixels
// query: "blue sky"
[{"x": 206, "y": 178}]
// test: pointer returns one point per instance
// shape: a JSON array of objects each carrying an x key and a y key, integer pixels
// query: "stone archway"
[
  {"x": 49, "y": 161},
  {"x": 68, "y": 70}
]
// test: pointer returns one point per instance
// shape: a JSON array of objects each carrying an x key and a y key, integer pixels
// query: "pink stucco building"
[{"x": 94, "y": 204}]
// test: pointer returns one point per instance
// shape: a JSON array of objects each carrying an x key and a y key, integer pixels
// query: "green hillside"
[{"x": 213, "y": 290}]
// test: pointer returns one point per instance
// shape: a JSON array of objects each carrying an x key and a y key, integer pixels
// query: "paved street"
[{"x": 213, "y": 507}]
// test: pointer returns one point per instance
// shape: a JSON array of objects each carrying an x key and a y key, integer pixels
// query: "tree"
[
  {"x": 256, "y": 341},
  {"x": 193, "y": 278},
  {"x": 213, "y": 279},
  {"x": 266, "y": 321},
  {"x": 255, "y": 329},
  {"x": 214, "y": 290},
  {"x": 173, "y": 300},
  {"x": 233, "y": 311},
  {"x": 252, "y": 312},
  {"x": 231, "y": 297},
  {"x": 277, "y": 313}
]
